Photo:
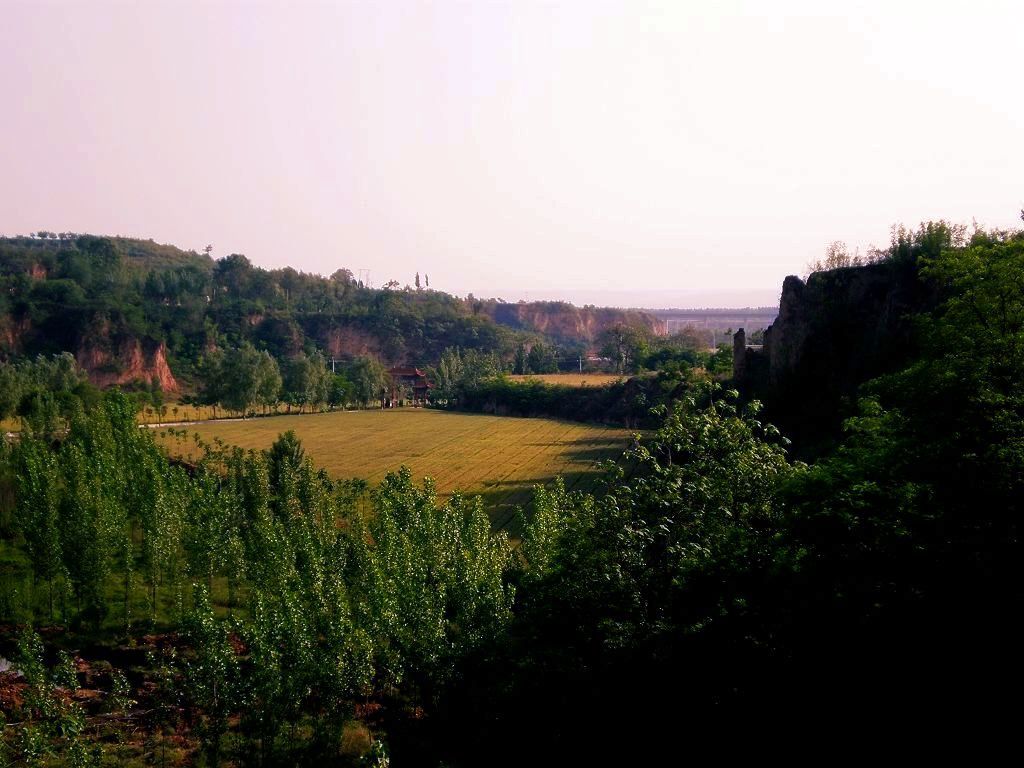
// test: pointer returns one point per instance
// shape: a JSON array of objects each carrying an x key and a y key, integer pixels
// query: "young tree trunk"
[{"x": 127, "y": 591}]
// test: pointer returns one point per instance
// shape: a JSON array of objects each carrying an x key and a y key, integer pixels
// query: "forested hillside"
[{"x": 132, "y": 310}]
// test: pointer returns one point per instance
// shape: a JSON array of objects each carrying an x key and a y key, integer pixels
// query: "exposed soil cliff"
[
  {"x": 570, "y": 323},
  {"x": 125, "y": 362},
  {"x": 346, "y": 341}
]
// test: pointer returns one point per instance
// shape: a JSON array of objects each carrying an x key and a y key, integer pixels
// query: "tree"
[
  {"x": 307, "y": 380},
  {"x": 38, "y": 494},
  {"x": 211, "y": 673},
  {"x": 53, "y": 727},
  {"x": 429, "y": 584},
  {"x": 521, "y": 365},
  {"x": 268, "y": 380},
  {"x": 448, "y": 374},
  {"x": 369, "y": 380},
  {"x": 212, "y": 384},
  {"x": 10, "y": 390},
  {"x": 625, "y": 345},
  {"x": 338, "y": 390},
  {"x": 542, "y": 359},
  {"x": 241, "y": 373}
]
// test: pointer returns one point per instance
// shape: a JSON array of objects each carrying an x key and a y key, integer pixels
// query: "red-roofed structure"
[{"x": 408, "y": 385}]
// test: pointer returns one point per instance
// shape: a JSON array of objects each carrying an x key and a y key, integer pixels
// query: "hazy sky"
[{"x": 592, "y": 151}]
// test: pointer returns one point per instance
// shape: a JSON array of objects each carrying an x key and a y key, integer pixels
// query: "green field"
[{"x": 499, "y": 458}]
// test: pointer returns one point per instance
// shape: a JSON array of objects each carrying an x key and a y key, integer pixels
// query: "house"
[{"x": 408, "y": 385}]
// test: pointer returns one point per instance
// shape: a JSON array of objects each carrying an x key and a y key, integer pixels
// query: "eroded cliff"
[
  {"x": 566, "y": 322},
  {"x": 833, "y": 333},
  {"x": 111, "y": 363}
]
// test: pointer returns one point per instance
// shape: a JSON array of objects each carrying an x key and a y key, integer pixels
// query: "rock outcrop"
[
  {"x": 833, "y": 333},
  {"x": 346, "y": 341},
  {"x": 12, "y": 332},
  {"x": 126, "y": 361}
]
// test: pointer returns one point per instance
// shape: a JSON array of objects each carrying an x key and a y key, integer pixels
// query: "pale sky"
[{"x": 654, "y": 154}]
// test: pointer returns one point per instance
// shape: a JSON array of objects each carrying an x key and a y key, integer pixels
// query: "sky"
[{"x": 640, "y": 154}]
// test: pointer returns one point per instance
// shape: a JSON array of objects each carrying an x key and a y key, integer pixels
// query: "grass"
[
  {"x": 173, "y": 413},
  {"x": 498, "y": 458},
  {"x": 572, "y": 379}
]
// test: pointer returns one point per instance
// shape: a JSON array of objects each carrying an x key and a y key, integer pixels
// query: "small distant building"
[{"x": 408, "y": 384}]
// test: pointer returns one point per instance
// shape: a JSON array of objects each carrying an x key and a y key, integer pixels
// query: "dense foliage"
[
  {"x": 44, "y": 390},
  {"x": 475, "y": 382},
  {"x": 713, "y": 585},
  {"x": 69, "y": 293},
  {"x": 331, "y": 603}
]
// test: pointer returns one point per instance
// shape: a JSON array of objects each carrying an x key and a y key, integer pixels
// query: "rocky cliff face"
[
  {"x": 344, "y": 341},
  {"x": 12, "y": 332},
  {"x": 833, "y": 333},
  {"x": 125, "y": 362},
  {"x": 570, "y": 323}
]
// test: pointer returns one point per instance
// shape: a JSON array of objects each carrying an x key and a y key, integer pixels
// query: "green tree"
[
  {"x": 521, "y": 364},
  {"x": 307, "y": 380},
  {"x": 211, "y": 673},
  {"x": 369, "y": 380},
  {"x": 429, "y": 584},
  {"x": 268, "y": 380},
  {"x": 244, "y": 372},
  {"x": 542, "y": 359},
  {"x": 53, "y": 725},
  {"x": 625, "y": 345},
  {"x": 212, "y": 383},
  {"x": 448, "y": 375},
  {"x": 38, "y": 493},
  {"x": 339, "y": 389}
]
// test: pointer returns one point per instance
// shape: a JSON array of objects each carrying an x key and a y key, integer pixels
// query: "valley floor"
[{"x": 499, "y": 458}]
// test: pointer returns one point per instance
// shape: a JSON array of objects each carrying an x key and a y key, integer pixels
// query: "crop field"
[
  {"x": 572, "y": 379},
  {"x": 498, "y": 458}
]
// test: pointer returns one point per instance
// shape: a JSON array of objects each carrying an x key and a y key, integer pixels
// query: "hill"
[{"x": 133, "y": 310}]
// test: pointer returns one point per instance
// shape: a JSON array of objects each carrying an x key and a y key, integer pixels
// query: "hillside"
[
  {"x": 134, "y": 310},
  {"x": 145, "y": 255}
]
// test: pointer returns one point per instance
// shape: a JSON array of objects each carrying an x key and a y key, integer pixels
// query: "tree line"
[{"x": 244, "y": 378}]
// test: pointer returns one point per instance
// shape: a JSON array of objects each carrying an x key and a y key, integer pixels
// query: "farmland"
[
  {"x": 572, "y": 379},
  {"x": 499, "y": 458}
]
